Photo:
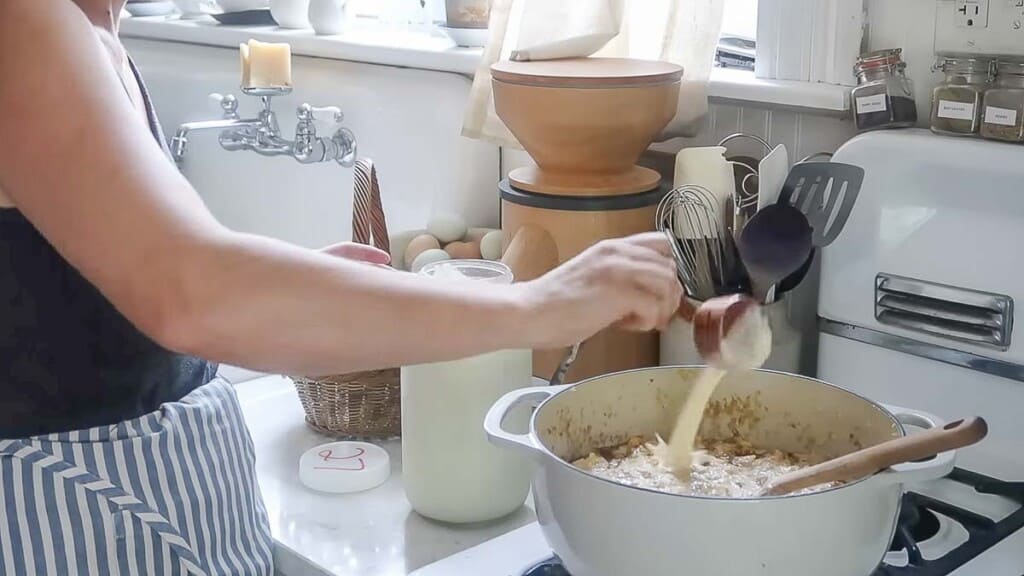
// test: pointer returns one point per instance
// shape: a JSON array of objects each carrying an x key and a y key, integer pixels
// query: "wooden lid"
[
  {"x": 532, "y": 179},
  {"x": 587, "y": 72}
]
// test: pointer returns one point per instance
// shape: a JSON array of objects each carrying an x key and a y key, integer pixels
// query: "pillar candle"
[{"x": 266, "y": 65}]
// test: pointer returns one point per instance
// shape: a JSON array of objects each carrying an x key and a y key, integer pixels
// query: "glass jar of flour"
[{"x": 450, "y": 470}]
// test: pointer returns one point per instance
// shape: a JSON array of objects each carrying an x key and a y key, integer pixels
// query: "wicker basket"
[
  {"x": 362, "y": 404},
  {"x": 358, "y": 404}
]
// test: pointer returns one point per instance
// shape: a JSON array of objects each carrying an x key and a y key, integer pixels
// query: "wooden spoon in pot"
[{"x": 881, "y": 456}]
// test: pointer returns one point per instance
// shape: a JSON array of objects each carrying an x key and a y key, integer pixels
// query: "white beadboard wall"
[{"x": 408, "y": 121}]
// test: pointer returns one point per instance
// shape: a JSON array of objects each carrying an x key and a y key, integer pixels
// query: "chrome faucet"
[{"x": 263, "y": 135}]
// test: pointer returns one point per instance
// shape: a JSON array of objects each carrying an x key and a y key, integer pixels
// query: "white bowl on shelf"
[{"x": 468, "y": 37}]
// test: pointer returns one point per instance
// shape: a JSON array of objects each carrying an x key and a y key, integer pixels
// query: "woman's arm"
[{"x": 78, "y": 163}]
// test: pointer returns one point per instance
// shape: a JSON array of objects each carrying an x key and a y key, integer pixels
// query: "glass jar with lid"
[
  {"x": 1003, "y": 118},
  {"x": 884, "y": 96},
  {"x": 956, "y": 102},
  {"x": 450, "y": 470}
]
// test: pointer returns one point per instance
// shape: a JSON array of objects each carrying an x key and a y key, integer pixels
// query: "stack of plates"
[{"x": 244, "y": 13}]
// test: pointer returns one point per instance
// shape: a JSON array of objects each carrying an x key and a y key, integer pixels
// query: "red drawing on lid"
[{"x": 329, "y": 457}]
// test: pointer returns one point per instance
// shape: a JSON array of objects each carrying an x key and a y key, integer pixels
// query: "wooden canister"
[{"x": 542, "y": 231}]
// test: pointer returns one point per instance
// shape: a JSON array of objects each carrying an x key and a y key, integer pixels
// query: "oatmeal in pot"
[{"x": 727, "y": 469}]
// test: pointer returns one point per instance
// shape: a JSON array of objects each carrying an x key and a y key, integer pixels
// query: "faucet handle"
[
  {"x": 227, "y": 104},
  {"x": 327, "y": 114},
  {"x": 325, "y": 117}
]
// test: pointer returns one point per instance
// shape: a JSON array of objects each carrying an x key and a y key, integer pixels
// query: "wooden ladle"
[{"x": 881, "y": 456}]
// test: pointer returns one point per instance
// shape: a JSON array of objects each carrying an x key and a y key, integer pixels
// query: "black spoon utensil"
[{"x": 775, "y": 243}]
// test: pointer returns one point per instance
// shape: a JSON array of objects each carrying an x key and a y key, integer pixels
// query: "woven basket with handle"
[{"x": 358, "y": 404}]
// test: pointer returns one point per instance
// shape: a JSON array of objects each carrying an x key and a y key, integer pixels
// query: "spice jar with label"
[
  {"x": 884, "y": 96},
  {"x": 1003, "y": 118},
  {"x": 956, "y": 102}
]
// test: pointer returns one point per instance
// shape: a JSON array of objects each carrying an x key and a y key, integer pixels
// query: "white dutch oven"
[{"x": 600, "y": 528}]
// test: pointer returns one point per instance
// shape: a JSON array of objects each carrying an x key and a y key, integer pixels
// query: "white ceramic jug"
[
  {"x": 327, "y": 16},
  {"x": 450, "y": 470}
]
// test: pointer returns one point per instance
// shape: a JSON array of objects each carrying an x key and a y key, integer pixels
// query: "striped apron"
[{"x": 171, "y": 492}]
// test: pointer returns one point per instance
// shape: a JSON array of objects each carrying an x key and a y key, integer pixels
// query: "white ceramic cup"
[{"x": 290, "y": 13}]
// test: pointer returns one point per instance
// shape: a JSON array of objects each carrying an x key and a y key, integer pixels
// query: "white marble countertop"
[{"x": 373, "y": 533}]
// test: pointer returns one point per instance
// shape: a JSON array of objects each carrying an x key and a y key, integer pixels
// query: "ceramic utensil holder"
[{"x": 677, "y": 347}]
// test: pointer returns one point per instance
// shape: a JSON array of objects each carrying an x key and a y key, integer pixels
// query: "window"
[{"x": 737, "y": 44}]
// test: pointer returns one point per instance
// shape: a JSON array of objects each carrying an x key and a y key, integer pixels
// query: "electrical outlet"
[
  {"x": 996, "y": 28},
  {"x": 971, "y": 13}
]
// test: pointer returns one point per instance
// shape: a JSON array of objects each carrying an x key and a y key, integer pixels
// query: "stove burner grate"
[
  {"x": 984, "y": 532},
  {"x": 921, "y": 523}
]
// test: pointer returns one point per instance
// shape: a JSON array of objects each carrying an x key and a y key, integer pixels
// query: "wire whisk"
[{"x": 706, "y": 257}]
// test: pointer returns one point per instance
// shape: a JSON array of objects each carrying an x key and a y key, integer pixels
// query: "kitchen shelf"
[{"x": 435, "y": 51}]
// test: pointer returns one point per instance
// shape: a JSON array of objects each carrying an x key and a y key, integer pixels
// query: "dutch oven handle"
[
  {"x": 496, "y": 417},
  {"x": 937, "y": 467}
]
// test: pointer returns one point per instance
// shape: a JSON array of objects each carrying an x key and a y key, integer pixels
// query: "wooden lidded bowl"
[{"x": 586, "y": 121}]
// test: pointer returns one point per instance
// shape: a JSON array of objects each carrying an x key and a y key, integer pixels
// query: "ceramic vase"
[{"x": 327, "y": 16}]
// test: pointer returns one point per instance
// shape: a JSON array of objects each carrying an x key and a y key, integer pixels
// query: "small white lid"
[
  {"x": 469, "y": 269},
  {"x": 342, "y": 467}
]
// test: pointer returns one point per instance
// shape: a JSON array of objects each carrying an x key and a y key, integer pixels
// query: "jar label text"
[
  {"x": 956, "y": 110},
  {"x": 869, "y": 104},
  {"x": 1000, "y": 116}
]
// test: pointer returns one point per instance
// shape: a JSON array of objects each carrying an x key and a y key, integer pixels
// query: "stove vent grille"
[{"x": 960, "y": 314}]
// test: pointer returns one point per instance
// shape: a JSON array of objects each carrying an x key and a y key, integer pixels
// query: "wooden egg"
[
  {"x": 463, "y": 250},
  {"x": 417, "y": 246},
  {"x": 490, "y": 245},
  {"x": 447, "y": 227},
  {"x": 428, "y": 257},
  {"x": 399, "y": 243}
]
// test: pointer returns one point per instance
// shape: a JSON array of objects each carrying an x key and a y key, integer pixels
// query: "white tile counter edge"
[{"x": 435, "y": 51}]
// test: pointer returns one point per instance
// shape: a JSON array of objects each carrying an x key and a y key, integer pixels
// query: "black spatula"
[{"x": 826, "y": 193}]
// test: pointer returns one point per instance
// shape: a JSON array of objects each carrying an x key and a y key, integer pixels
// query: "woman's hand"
[{"x": 630, "y": 283}]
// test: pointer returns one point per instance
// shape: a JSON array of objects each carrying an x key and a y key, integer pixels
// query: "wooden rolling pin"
[{"x": 881, "y": 456}]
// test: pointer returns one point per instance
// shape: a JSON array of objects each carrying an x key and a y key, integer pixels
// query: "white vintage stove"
[{"x": 916, "y": 309}]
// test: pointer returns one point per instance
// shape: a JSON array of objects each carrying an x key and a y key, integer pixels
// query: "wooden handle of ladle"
[{"x": 881, "y": 456}]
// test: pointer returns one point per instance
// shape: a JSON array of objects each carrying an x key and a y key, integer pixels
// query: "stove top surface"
[{"x": 966, "y": 524}]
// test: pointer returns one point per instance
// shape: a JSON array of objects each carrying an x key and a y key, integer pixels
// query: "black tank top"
[{"x": 68, "y": 359}]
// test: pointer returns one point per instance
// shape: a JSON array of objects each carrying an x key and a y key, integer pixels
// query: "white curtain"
[{"x": 684, "y": 32}]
